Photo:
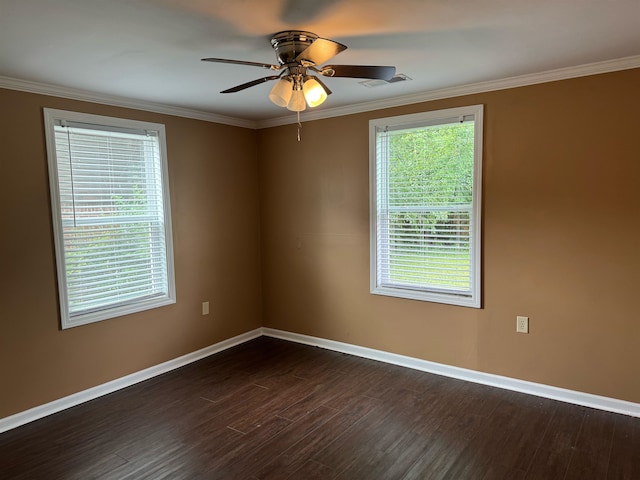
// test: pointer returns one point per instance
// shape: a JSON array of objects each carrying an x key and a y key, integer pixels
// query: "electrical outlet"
[
  {"x": 205, "y": 308},
  {"x": 522, "y": 324}
]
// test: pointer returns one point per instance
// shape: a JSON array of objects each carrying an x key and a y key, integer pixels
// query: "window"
[
  {"x": 111, "y": 215},
  {"x": 425, "y": 206}
]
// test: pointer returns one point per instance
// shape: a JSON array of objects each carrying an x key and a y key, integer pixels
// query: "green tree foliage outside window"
[{"x": 430, "y": 194}]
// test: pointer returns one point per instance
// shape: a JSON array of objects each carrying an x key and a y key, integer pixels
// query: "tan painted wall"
[
  {"x": 213, "y": 183},
  {"x": 561, "y": 233}
]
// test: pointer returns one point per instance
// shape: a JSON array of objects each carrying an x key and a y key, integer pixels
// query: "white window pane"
[
  {"x": 425, "y": 206},
  {"x": 110, "y": 202}
]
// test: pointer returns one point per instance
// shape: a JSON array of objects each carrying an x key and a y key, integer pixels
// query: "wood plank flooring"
[{"x": 271, "y": 409}]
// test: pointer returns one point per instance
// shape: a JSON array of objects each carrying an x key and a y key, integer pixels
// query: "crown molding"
[
  {"x": 116, "y": 101},
  {"x": 566, "y": 73}
]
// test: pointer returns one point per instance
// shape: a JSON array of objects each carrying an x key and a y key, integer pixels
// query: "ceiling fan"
[{"x": 301, "y": 54}]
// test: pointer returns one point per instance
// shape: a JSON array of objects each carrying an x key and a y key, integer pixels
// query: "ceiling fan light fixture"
[
  {"x": 314, "y": 92},
  {"x": 299, "y": 53},
  {"x": 297, "y": 102},
  {"x": 281, "y": 92}
]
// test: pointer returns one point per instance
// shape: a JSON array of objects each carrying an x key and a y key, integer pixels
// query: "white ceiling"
[{"x": 150, "y": 50}]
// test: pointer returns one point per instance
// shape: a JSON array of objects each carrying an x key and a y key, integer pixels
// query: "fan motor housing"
[{"x": 290, "y": 43}]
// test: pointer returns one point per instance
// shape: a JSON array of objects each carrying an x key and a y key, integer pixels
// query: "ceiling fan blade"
[
  {"x": 359, "y": 71},
  {"x": 320, "y": 51},
  {"x": 242, "y": 62},
  {"x": 253, "y": 83}
]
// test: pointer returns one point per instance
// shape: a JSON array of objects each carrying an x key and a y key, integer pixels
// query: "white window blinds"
[
  {"x": 114, "y": 243},
  {"x": 425, "y": 240}
]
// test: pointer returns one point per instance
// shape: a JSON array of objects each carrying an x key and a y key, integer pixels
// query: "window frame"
[
  {"x": 425, "y": 119},
  {"x": 67, "y": 320}
]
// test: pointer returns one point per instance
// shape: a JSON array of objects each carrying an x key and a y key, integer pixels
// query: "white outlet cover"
[{"x": 522, "y": 324}]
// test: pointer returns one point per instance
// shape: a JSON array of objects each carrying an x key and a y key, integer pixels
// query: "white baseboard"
[
  {"x": 41, "y": 411},
  {"x": 537, "y": 389}
]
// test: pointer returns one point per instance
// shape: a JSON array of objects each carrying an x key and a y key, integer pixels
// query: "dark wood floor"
[{"x": 270, "y": 409}]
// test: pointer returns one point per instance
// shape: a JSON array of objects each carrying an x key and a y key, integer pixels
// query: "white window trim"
[
  {"x": 418, "y": 120},
  {"x": 50, "y": 118}
]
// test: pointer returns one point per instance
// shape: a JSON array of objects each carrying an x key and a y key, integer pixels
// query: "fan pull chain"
[{"x": 299, "y": 126}]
